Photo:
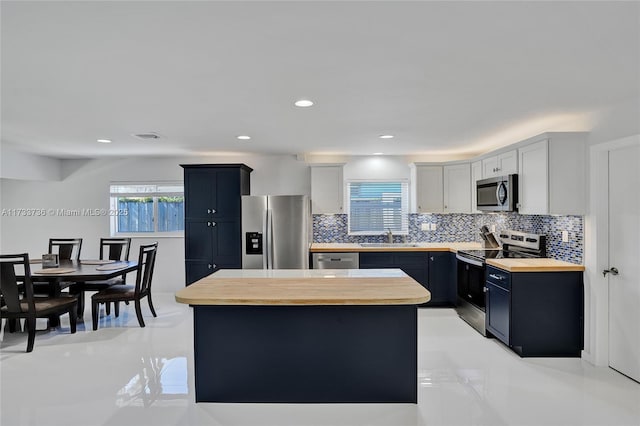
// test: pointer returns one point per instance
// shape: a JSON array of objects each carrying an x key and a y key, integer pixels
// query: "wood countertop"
[
  {"x": 534, "y": 265},
  {"x": 355, "y": 247},
  {"x": 305, "y": 287}
]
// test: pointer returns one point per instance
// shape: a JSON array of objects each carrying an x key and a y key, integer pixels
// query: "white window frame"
[
  {"x": 404, "y": 206},
  {"x": 113, "y": 203}
]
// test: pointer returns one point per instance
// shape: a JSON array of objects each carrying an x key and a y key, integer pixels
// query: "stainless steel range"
[{"x": 471, "y": 272}]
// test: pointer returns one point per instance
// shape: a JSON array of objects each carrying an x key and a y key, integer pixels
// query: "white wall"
[
  {"x": 85, "y": 184},
  {"x": 16, "y": 164}
]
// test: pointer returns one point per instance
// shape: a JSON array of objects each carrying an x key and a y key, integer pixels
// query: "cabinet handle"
[
  {"x": 485, "y": 289},
  {"x": 431, "y": 258},
  {"x": 212, "y": 266},
  {"x": 211, "y": 211},
  {"x": 211, "y": 224},
  {"x": 496, "y": 277}
]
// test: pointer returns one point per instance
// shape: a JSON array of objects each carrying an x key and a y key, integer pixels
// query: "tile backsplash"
[{"x": 465, "y": 227}]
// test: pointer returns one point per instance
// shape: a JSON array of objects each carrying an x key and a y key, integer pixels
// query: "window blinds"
[{"x": 377, "y": 206}]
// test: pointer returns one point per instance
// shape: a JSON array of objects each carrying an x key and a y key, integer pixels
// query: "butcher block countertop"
[
  {"x": 534, "y": 265},
  {"x": 305, "y": 287},
  {"x": 355, "y": 247}
]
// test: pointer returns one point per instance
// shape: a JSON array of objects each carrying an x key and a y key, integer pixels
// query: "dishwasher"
[{"x": 336, "y": 260}]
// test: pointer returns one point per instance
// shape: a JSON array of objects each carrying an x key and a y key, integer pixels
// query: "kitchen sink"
[{"x": 389, "y": 245}]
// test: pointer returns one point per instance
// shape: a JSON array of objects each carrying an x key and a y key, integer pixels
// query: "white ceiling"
[{"x": 443, "y": 77}]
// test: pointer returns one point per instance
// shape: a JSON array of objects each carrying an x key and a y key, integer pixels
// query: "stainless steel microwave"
[{"x": 497, "y": 194}]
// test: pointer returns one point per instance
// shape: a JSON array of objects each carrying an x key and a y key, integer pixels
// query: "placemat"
[
  {"x": 96, "y": 262},
  {"x": 48, "y": 271},
  {"x": 111, "y": 267}
]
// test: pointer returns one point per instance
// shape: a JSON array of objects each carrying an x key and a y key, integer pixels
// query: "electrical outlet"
[
  {"x": 433, "y": 226},
  {"x": 493, "y": 228},
  {"x": 424, "y": 226},
  {"x": 565, "y": 236}
]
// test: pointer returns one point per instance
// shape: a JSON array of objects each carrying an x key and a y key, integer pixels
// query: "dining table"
[{"x": 77, "y": 271}]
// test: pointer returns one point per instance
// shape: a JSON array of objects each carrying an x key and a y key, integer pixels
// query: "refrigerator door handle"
[
  {"x": 269, "y": 241},
  {"x": 265, "y": 246}
]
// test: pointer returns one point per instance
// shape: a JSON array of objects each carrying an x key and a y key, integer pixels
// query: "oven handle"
[{"x": 470, "y": 261}]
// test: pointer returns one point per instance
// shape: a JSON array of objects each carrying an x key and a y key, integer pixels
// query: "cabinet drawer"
[
  {"x": 376, "y": 260},
  {"x": 418, "y": 258},
  {"x": 498, "y": 277}
]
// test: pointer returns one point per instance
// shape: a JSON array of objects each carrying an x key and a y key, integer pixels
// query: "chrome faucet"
[{"x": 389, "y": 236}]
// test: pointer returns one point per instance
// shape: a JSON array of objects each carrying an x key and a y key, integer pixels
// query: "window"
[
  {"x": 147, "y": 208},
  {"x": 377, "y": 206}
]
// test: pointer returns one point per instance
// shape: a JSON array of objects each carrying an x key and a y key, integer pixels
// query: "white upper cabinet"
[
  {"x": 552, "y": 177},
  {"x": 500, "y": 165},
  {"x": 457, "y": 188},
  {"x": 327, "y": 190},
  {"x": 429, "y": 189},
  {"x": 476, "y": 175}
]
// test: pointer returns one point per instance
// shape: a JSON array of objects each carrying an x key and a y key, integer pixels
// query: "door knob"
[{"x": 612, "y": 271}]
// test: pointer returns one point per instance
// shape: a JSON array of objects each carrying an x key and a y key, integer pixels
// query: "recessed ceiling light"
[
  {"x": 303, "y": 103},
  {"x": 104, "y": 141},
  {"x": 378, "y": 153},
  {"x": 386, "y": 136},
  {"x": 243, "y": 137}
]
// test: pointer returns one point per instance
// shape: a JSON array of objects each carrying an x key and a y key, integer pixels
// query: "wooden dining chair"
[
  {"x": 19, "y": 301},
  {"x": 126, "y": 293},
  {"x": 116, "y": 249},
  {"x": 66, "y": 248}
]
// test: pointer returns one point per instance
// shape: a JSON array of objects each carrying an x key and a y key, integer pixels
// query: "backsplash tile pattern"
[{"x": 465, "y": 227}]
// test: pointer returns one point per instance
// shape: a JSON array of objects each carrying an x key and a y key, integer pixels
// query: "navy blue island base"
[{"x": 306, "y": 354}]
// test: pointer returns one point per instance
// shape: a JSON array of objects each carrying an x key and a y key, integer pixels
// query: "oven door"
[{"x": 471, "y": 282}]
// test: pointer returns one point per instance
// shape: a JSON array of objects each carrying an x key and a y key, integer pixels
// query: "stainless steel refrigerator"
[{"x": 276, "y": 231}]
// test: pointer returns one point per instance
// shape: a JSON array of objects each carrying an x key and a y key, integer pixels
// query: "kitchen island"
[{"x": 304, "y": 336}]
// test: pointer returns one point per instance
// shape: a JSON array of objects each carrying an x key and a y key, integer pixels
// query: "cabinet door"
[
  {"x": 440, "y": 283},
  {"x": 326, "y": 190},
  {"x": 497, "y": 312},
  {"x": 476, "y": 174},
  {"x": 500, "y": 165},
  {"x": 226, "y": 195},
  {"x": 199, "y": 237},
  {"x": 196, "y": 270},
  {"x": 198, "y": 192},
  {"x": 533, "y": 179},
  {"x": 429, "y": 187},
  {"x": 508, "y": 163},
  {"x": 457, "y": 189},
  {"x": 490, "y": 167}
]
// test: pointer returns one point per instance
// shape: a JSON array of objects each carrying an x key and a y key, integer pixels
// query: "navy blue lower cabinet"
[
  {"x": 441, "y": 284},
  {"x": 537, "y": 314},
  {"x": 497, "y": 315},
  {"x": 306, "y": 354},
  {"x": 434, "y": 270},
  {"x": 415, "y": 264}
]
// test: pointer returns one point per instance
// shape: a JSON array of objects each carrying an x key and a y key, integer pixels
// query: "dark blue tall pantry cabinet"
[{"x": 212, "y": 217}]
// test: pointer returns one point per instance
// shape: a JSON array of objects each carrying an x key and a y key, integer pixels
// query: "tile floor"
[{"x": 123, "y": 375}]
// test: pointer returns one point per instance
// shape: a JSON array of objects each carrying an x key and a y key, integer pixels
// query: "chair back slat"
[
  {"x": 146, "y": 264},
  {"x": 11, "y": 293},
  {"x": 116, "y": 248},
  {"x": 66, "y": 248}
]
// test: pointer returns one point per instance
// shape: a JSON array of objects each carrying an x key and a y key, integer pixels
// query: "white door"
[{"x": 624, "y": 255}]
